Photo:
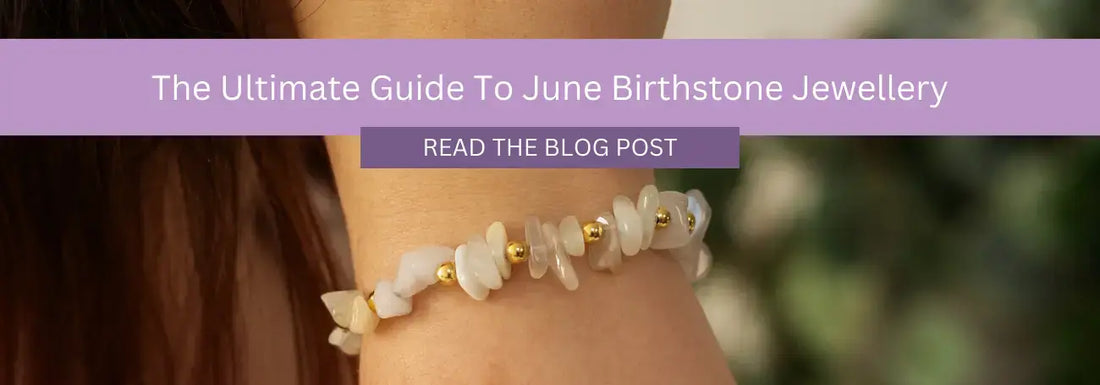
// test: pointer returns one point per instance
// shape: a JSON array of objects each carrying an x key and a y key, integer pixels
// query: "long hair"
[{"x": 129, "y": 260}]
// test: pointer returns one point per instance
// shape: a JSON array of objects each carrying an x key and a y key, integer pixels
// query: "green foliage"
[{"x": 917, "y": 260}]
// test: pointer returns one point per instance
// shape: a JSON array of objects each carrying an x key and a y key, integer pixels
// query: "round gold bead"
[
  {"x": 516, "y": 252},
  {"x": 370, "y": 303},
  {"x": 691, "y": 222},
  {"x": 446, "y": 273},
  {"x": 592, "y": 231},
  {"x": 663, "y": 217}
]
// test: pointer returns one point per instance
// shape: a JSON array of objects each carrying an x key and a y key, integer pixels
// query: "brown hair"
[
  {"x": 120, "y": 257},
  {"x": 127, "y": 260}
]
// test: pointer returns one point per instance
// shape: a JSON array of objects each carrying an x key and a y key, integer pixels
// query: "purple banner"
[
  {"x": 766, "y": 87},
  {"x": 549, "y": 147}
]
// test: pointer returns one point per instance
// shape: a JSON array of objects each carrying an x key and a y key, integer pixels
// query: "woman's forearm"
[
  {"x": 400, "y": 19},
  {"x": 639, "y": 326}
]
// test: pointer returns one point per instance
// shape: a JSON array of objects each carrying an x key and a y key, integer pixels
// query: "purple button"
[{"x": 550, "y": 147}]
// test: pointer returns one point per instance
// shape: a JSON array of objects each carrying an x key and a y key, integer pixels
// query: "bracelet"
[{"x": 666, "y": 220}]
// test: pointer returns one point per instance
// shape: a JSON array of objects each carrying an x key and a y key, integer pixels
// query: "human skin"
[{"x": 642, "y": 325}]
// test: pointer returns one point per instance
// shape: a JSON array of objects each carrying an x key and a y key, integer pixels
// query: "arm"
[
  {"x": 642, "y": 325},
  {"x": 482, "y": 18}
]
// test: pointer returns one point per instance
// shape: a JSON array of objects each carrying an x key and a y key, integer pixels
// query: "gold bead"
[
  {"x": 663, "y": 217},
  {"x": 370, "y": 303},
  {"x": 691, "y": 223},
  {"x": 516, "y": 252},
  {"x": 592, "y": 231},
  {"x": 446, "y": 273}
]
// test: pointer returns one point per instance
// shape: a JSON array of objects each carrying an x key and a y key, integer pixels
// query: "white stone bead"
[
  {"x": 467, "y": 277},
  {"x": 688, "y": 258},
  {"x": 346, "y": 341},
  {"x": 481, "y": 259},
  {"x": 389, "y": 304},
  {"x": 560, "y": 264},
  {"x": 336, "y": 336},
  {"x": 497, "y": 237},
  {"x": 648, "y": 201},
  {"x": 363, "y": 320},
  {"x": 698, "y": 206},
  {"x": 676, "y": 233},
  {"x": 571, "y": 236},
  {"x": 339, "y": 305},
  {"x": 417, "y": 269},
  {"x": 538, "y": 259},
  {"x": 629, "y": 225},
  {"x": 695, "y": 257},
  {"x": 606, "y": 254},
  {"x": 706, "y": 260}
]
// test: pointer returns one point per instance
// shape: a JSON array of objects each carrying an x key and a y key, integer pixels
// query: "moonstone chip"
[
  {"x": 467, "y": 274},
  {"x": 389, "y": 304},
  {"x": 497, "y": 237},
  {"x": 688, "y": 258},
  {"x": 336, "y": 336},
  {"x": 648, "y": 200},
  {"x": 571, "y": 236},
  {"x": 363, "y": 320},
  {"x": 629, "y": 225},
  {"x": 539, "y": 252},
  {"x": 561, "y": 265},
  {"x": 695, "y": 257},
  {"x": 698, "y": 206},
  {"x": 482, "y": 262},
  {"x": 606, "y": 254},
  {"x": 339, "y": 305},
  {"x": 706, "y": 260},
  {"x": 676, "y": 233},
  {"x": 348, "y": 342},
  {"x": 417, "y": 269}
]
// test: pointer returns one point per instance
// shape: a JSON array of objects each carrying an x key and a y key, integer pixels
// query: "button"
[{"x": 550, "y": 147}]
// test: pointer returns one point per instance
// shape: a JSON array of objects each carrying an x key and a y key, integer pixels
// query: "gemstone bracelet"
[{"x": 666, "y": 220}]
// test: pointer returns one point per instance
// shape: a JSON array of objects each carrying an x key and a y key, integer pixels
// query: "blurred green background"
[{"x": 904, "y": 260}]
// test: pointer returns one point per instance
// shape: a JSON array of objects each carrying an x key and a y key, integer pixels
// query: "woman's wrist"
[
  {"x": 640, "y": 326},
  {"x": 390, "y": 211}
]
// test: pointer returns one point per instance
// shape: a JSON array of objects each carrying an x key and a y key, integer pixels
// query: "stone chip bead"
[
  {"x": 418, "y": 268},
  {"x": 346, "y": 341},
  {"x": 388, "y": 303},
  {"x": 706, "y": 260},
  {"x": 606, "y": 253},
  {"x": 572, "y": 237},
  {"x": 629, "y": 225},
  {"x": 695, "y": 257},
  {"x": 497, "y": 237},
  {"x": 477, "y": 273},
  {"x": 676, "y": 233},
  {"x": 484, "y": 265},
  {"x": 363, "y": 319},
  {"x": 467, "y": 279},
  {"x": 339, "y": 305},
  {"x": 700, "y": 210},
  {"x": 648, "y": 201},
  {"x": 561, "y": 265},
  {"x": 538, "y": 252}
]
